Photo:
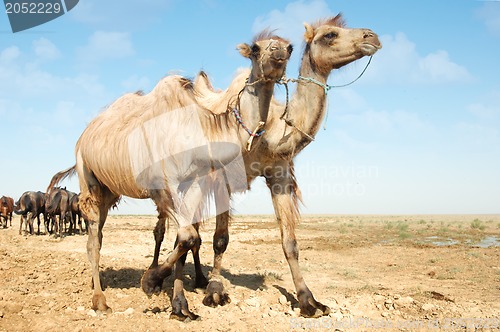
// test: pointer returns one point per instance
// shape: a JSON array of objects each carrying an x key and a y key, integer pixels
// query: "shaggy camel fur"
[
  {"x": 164, "y": 146},
  {"x": 329, "y": 45}
]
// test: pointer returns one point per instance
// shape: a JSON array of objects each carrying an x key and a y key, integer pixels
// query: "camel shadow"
[
  {"x": 122, "y": 278},
  {"x": 131, "y": 278},
  {"x": 289, "y": 296}
]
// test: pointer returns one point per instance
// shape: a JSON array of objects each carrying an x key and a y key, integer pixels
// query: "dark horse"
[
  {"x": 6, "y": 208},
  {"x": 76, "y": 213},
  {"x": 30, "y": 205},
  {"x": 57, "y": 203}
]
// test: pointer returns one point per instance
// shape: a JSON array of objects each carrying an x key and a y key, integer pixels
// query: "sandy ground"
[{"x": 410, "y": 273}]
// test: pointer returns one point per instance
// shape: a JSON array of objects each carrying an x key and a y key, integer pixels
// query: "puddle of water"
[
  {"x": 487, "y": 242},
  {"x": 440, "y": 242}
]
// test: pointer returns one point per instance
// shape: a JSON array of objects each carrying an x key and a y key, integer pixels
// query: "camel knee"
[
  {"x": 188, "y": 238},
  {"x": 220, "y": 243},
  {"x": 159, "y": 231}
]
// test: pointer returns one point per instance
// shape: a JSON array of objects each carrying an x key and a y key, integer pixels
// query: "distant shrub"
[{"x": 477, "y": 224}]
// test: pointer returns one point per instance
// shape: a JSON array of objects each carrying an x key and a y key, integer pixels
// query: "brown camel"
[
  {"x": 164, "y": 146},
  {"x": 289, "y": 129}
]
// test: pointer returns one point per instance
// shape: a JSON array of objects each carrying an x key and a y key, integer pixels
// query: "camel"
[
  {"x": 165, "y": 147},
  {"x": 329, "y": 45}
]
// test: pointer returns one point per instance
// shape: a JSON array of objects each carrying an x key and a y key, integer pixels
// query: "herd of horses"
[{"x": 58, "y": 207}]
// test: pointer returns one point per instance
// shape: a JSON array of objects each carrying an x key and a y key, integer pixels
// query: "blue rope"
[
  {"x": 240, "y": 121},
  {"x": 326, "y": 87}
]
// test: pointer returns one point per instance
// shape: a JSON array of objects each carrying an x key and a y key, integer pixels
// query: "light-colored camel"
[
  {"x": 164, "y": 146},
  {"x": 329, "y": 46}
]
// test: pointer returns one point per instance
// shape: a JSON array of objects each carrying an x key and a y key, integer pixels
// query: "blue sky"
[{"x": 417, "y": 134}]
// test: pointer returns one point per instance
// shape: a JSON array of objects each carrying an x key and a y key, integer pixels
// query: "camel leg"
[
  {"x": 283, "y": 190},
  {"x": 180, "y": 308},
  {"x": 159, "y": 234},
  {"x": 201, "y": 281},
  {"x": 94, "y": 244},
  {"x": 216, "y": 294},
  {"x": 153, "y": 278},
  {"x": 96, "y": 200}
]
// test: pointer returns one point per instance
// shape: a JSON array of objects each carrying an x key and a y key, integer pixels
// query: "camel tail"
[{"x": 61, "y": 176}]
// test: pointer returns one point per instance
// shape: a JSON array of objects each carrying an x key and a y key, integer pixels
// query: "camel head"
[
  {"x": 332, "y": 45},
  {"x": 269, "y": 55}
]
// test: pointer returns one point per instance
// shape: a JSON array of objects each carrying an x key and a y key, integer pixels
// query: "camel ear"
[
  {"x": 245, "y": 50},
  {"x": 309, "y": 34}
]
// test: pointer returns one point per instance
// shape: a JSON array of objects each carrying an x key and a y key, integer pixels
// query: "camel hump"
[{"x": 216, "y": 100}]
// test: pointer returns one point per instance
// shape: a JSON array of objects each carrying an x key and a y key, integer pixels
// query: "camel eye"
[
  {"x": 330, "y": 35},
  {"x": 255, "y": 49}
]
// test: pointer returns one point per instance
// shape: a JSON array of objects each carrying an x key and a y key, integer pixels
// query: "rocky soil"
[{"x": 375, "y": 273}]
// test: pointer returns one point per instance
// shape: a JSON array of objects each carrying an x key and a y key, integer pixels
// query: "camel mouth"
[
  {"x": 278, "y": 62},
  {"x": 369, "y": 48}
]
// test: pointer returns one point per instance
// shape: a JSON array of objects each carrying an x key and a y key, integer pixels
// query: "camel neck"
[
  {"x": 254, "y": 104},
  {"x": 306, "y": 110}
]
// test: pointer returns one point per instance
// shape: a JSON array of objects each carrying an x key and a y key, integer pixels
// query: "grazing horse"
[
  {"x": 76, "y": 213},
  {"x": 6, "y": 208},
  {"x": 57, "y": 204},
  {"x": 30, "y": 205}
]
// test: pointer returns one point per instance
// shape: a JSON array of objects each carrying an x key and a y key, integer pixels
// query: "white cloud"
[
  {"x": 488, "y": 110},
  {"x": 104, "y": 45},
  {"x": 380, "y": 126},
  {"x": 118, "y": 14},
  {"x": 437, "y": 67},
  {"x": 399, "y": 62},
  {"x": 485, "y": 112},
  {"x": 289, "y": 22},
  {"x": 10, "y": 54},
  {"x": 45, "y": 49},
  {"x": 478, "y": 135},
  {"x": 490, "y": 14}
]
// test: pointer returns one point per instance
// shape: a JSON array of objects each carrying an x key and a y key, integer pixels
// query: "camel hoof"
[
  {"x": 151, "y": 282},
  {"x": 318, "y": 310},
  {"x": 99, "y": 304},
  {"x": 216, "y": 295},
  {"x": 184, "y": 318}
]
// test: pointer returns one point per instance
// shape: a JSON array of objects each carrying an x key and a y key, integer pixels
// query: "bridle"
[{"x": 326, "y": 88}]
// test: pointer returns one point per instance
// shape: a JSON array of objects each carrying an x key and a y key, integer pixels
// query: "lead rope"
[{"x": 325, "y": 87}]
